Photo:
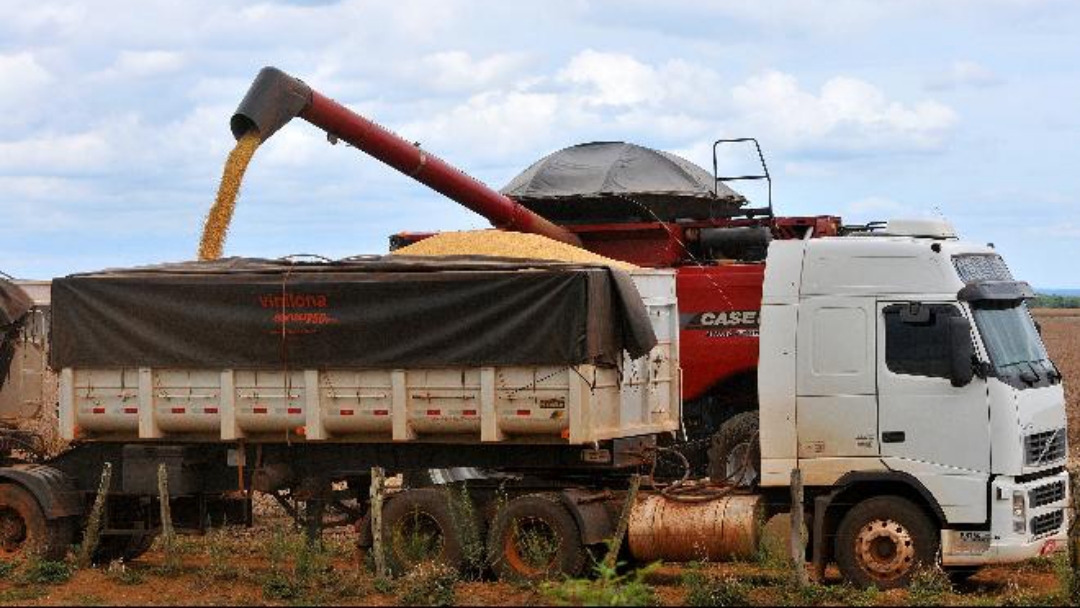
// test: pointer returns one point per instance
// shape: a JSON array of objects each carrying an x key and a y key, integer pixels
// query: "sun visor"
[{"x": 995, "y": 291}]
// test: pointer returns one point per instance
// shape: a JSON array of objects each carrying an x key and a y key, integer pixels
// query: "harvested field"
[
  {"x": 1061, "y": 333},
  {"x": 499, "y": 243},
  {"x": 270, "y": 565}
]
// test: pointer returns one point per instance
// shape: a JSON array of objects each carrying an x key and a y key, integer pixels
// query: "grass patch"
[
  {"x": 46, "y": 572},
  {"x": 303, "y": 572},
  {"x": 119, "y": 573},
  {"x": 429, "y": 584},
  {"x": 609, "y": 588},
  {"x": 929, "y": 587},
  {"x": 705, "y": 589},
  {"x": 15, "y": 595}
]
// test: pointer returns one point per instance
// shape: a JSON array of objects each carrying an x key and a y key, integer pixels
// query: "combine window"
[{"x": 917, "y": 339}]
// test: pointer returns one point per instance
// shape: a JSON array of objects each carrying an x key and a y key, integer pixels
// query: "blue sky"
[{"x": 114, "y": 116}]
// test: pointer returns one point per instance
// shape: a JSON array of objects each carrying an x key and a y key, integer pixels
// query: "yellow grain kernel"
[
  {"x": 498, "y": 243},
  {"x": 217, "y": 221}
]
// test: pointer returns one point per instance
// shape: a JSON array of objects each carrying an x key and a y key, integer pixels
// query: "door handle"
[{"x": 893, "y": 437}]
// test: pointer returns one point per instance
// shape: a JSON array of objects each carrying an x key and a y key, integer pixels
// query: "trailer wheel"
[
  {"x": 423, "y": 526},
  {"x": 883, "y": 541},
  {"x": 24, "y": 529},
  {"x": 535, "y": 538},
  {"x": 735, "y": 454}
]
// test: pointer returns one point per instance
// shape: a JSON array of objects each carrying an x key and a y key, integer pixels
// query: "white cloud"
[
  {"x": 491, "y": 124},
  {"x": 141, "y": 64},
  {"x": 459, "y": 71},
  {"x": 847, "y": 114},
  {"x": 965, "y": 74},
  {"x": 613, "y": 79},
  {"x": 24, "y": 81},
  {"x": 53, "y": 153}
]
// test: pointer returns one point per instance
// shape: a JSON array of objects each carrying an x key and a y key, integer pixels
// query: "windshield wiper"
[{"x": 1030, "y": 375}]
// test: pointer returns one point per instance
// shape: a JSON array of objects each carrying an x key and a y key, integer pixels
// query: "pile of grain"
[
  {"x": 497, "y": 243},
  {"x": 217, "y": 221}
]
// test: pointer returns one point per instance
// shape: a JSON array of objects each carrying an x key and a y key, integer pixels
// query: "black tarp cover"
[
  {"x": 387, "y": 312},
  {"x": 14, "y": 303},
  {"x": 614, "y": 168},
  {"x": 610, "y": 181}
]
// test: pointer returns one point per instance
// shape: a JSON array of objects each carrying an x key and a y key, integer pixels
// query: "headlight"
[{"x": 1019, "y": 511}]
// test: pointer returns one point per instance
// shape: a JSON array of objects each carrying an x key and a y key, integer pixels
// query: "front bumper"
[{"x": 1045, "y": 524}]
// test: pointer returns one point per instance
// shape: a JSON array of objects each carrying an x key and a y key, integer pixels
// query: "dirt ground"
[
  {"x": 1061, "y": 333},
  {"x": 270, "y": 565}
]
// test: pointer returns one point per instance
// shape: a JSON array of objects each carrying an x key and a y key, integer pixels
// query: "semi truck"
[{"x": 895, "y": 366}]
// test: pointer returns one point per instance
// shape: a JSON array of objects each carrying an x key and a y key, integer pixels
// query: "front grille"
[
  {"x": 1044, "y": 448},
  {"x": 1048, "y": 494},
  {"x": 1047, "y": 523}
]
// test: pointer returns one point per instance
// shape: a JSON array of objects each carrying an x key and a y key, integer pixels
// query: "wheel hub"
[{"x": 885, "y": 549}]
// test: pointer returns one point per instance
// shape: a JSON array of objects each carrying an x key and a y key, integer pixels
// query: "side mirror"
[{"x": 961, "y": 352}]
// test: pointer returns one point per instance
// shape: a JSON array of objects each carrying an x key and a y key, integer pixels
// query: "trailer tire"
[
  {"x": 552, "y": 548},
  {"x": 735, "y": 453},
  {"x": 422, "y": 526},
  {"x": 23, "y": 527},
  {"x": 883, "y": 541}
]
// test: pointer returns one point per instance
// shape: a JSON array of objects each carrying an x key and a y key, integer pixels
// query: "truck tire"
[
  {"x": 421, "y": 526},
  {"x": 883, "y": 541},
  {"x": 127, "y": 548},
  {"x": 24, "y": 529},
  {"x": 735, "y": 454},
  {"x": 535, "y": 538}
]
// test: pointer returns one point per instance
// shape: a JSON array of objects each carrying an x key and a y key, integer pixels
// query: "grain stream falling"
[
  {"x": 216, "y": 227},
  {"x": 503, "y": 244}
]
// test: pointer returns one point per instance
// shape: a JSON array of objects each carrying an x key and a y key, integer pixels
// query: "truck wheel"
[
  {"x": 882, "y": 542},
  {"x": 421, "y": 526},
  {"x": 735, "y": 454},
  {"x": 535, "y": 538},
  {"x": 24, "y": 529}
]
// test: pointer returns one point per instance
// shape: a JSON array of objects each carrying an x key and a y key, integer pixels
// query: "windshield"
[{"x": 1009, "y": 335}]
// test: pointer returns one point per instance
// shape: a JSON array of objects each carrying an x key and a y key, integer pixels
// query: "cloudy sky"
[{"x": 114, "y": 115}]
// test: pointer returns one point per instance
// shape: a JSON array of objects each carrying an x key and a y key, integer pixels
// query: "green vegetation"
[
  {"x": 121, "y": 574},
  {"x": 609, "y": 588},
  {"x": 463, "y": 512},
  {"x": 1053, "y": 301},
  {"x": 46, "y": 572},
  {"x": 928, "y": 587},
  {"x": 705, "y": 589},
  {"x": 429, "y": 584},
  {"x": 302, "y": 572}
]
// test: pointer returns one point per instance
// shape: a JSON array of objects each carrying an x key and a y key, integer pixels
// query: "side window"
[{"x": 917, "y": 338}]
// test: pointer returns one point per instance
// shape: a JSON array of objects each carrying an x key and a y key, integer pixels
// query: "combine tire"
[
  {"x": 422, "y": 525},
  {"x": 883, "y": 541},
  {"x": 735, "y": 454},
  {"x": 24, "y": 529},
  {"x": 535, "y": 538}
]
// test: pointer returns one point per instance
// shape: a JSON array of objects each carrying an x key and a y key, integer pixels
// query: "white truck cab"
[{"x": 902, "y": 373}]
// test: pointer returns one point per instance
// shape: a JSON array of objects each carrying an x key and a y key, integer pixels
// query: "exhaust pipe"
[{"x": 275, "y": 98}]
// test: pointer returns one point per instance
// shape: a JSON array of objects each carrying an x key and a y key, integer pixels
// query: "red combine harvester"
[{"x": 626, "y": 202}]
